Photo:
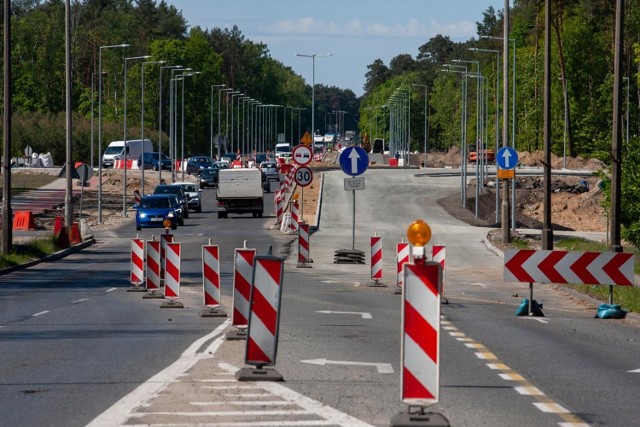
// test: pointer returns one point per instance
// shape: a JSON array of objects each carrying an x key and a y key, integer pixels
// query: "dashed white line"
[
  {"x": 110, "y": 290},
  {"x": 550, "y": 408},
  {"x": 40, "y": 314},
  {"x": 244, "y": 402},
  {"x": 529, "y": 391},
  {"x": 79, "y": 300}
]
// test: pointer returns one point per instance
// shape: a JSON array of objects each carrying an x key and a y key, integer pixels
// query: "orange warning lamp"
[
  {"x": 419, "y": 233},
  {"x": 166, "y": 224},
  {"x": 295, "y": 196}
]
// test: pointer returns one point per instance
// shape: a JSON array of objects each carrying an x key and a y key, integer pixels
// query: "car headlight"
[
  {"x": 142, "y": 215},
  {"x": 170, "y": 214}
]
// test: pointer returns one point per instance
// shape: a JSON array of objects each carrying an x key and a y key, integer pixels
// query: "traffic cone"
[
  {"x": 62, "y": 240},
  {"x": 74, "y": 235},
  {"x": 57, "y": 226}
]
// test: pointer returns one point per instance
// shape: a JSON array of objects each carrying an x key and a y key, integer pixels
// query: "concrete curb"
[{"x": 53, "y": 257}]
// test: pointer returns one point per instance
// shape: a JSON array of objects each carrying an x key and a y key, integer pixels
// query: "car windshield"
[
  {"x": 167, "y": 190},
  {"x": 113, "y": 150},
  {"x": 156, "y": 202},
  {"x": 190, "y": 188}
]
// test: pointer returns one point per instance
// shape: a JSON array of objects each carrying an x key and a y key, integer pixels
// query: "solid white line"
[
  {"x": 110, "y": 290},
  {"x": 231, "y": 387},
  {"x": 333, "y": 416},
  {"x": 279, "y": 423},
  {"x": 222, "y": 413},
  {"x": 79, "y": 300},
  {"x": 246, "y": 395},
  {"x": 40, "y": 314},
  {"x": 121, "y": 411},
  {"x": 537, "y": 319},
  {"x": 246, "y": 402}
]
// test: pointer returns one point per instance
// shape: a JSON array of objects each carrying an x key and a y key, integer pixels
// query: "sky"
[{"x": 354, "y": 32}]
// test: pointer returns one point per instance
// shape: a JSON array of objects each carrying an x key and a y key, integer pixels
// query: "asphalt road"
[{"x": 78, "y": 348}]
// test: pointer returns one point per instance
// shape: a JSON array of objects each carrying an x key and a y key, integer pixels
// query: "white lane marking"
[
  {"x": 244, "y": 402},
  {"x": 486, "y": 356},
  {"x": 498, "y": 366},
  {"x": 279, "y": 423},
  {"x": 550, "y": 408},
  {"x": 245, "y": 395},
  {"x": 110, "y": 290},
  {"x": 511, "y": 377},
  {"x": 363, "y": 314},
  {"x": 383, "y": 368},
  {"x": 635, "y": 371},
  {"x": 121, "y": 411},
  {"x": 529, "y": 391},
  {"x": 482, "y": 285},
  {"x": 573, "y": 425},
  {"x": 333, "y": 416},
  {"x": 465, "y": 339},
  {"x": 79, "y": 300},
  {"x": 449, "y": 328},
  {"x": 473, "y": 345},
  {"x": 537, "y": 319},
  {"x": 40, "y": 314},
  {"x": 328, "y": 281},
  {"x": 231, "y": 387},
  {"x": 223, "y": 413},
  {"x": 456, "y": 334}
]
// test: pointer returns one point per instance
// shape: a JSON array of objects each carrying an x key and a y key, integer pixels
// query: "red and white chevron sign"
[{"x": 588, "y": 268}]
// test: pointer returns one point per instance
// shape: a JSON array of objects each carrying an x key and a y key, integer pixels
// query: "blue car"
[
  {"x": 153, "y": 210},
  {"x": 154, "y": 160}
]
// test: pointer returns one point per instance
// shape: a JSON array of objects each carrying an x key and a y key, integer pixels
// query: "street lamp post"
[
  {"x": 191, "y": 74},
  {"x": 126, "y": 147},
  {"x": 166, "y": 67},
  {"x": 142, "y": 116},
  {"x": 234, "y": 94},
  {"x": 313, "y": 89},
  {"x": 211, "y": 145},
  {"x": 173, "y": 118},
  {"x": 123, "y": 45},
  {"x": 426, "y": 128}
]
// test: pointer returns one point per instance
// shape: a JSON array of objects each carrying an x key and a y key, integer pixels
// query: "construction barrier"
[
  {"x": 420, "y": 380},
  {"x": 153, "y": 266},
  {"x": 211, "y": 275},
  {"x": 119, "y": 164},
  {"x": 438, "y": 253},
  {"x": 57, "y": 226},
  {"x": 285, "y": 225},
  {"x": 294, "y": 216},
  {"x": 279, "y": 206},
  {"x": 164, "y": 238},
  {"x": 303, "y": 244},
  {"x": 403, "y": 252},
  {"x": 23, "y": 220},
  {"x": 62, "y": 239},
  {"x": 242, "y": 276},
  {"x": 172, "y": 279},
  {"x": 376, "y": 259},
  {"x": 264, "y": 316},
  {"x": 137, "y": 261},
  {"x": 74, "y": 234}
]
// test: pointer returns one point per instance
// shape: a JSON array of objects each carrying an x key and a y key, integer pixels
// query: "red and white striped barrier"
[
  {"x": 376, "y": 258},
  {"x": 172, "y": 279},
  {"x": 211, "y": 275},
  {"x": 164, "y": 238},
  {"x": 294, "y": 216},
  {"x": 420, "y": 382},
  {"x": 137, "y": 262},
  {"x": 279, "y": 207},
  {"x": 403, "y": 252},
  {"x": 264, "y": 317},
  {"x": 438, "y": 253},
  {"x": 153, "y": 265},
  {"x": 119, "y": 164},
  {"x": 242, "y": 276},
  {"x": 303, "y": 245}
]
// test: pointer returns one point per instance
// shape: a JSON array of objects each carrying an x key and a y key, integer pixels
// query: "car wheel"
[
  {"x": 174, "y": 226},
  {"x": 181, "y": 222},
  {"x": 259, "y": 214},
  {"x": 219, "y": 215},
  {"x": 199, "y": 209},
  {"x": 138, "y": 228},
  {"x": 186, "y": 213},
  {"x": 155, "y": 168}
]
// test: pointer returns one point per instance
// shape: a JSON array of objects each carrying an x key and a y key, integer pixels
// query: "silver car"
[{"x": 193, "y": 195}]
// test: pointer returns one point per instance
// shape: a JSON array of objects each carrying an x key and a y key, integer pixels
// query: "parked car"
[
  {"x": 154, "y": 160},
  {"x": 209, "y": 177},
  {"x": 153, "y": 210},
  {"x": 178, "y": 191},
  {"x": 197, "y": 164},
  {"x": 193, "y": 195}
]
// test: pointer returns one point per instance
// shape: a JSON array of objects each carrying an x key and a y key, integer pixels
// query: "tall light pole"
[
  {"x": 142, "y": 116},
  {"x": 234, "y": 94},
  {"x": 123, "y": 45},
  {"x": 426, "y": 129},
  {"x": 313, "y": 89},
  {"x": 166, "y": 67},
  {"x": 183, "y": 102},
  {"x": 227, "y": 90},
  {"x": 126, "y": 147},
  {"x": 173, "y": 118},
  {"x": 211, "y": 144}
]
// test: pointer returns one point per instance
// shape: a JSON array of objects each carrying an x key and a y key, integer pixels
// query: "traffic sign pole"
[{"x": 354, "y": 161}]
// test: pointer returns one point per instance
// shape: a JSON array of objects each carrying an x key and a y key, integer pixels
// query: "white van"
[
  {"x": 283, "y": 149},
  {"x": 115, "y": 151}
]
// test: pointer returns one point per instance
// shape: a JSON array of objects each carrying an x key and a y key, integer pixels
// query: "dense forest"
[{"x": 429, "y": 81}]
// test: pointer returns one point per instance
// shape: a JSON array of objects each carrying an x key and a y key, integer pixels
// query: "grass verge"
[
  {"x": 627, "y": 297},
  {"x": 29, "y": 251}
]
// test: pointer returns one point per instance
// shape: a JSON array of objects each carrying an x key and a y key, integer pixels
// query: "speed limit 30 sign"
[{"x": 303, "y": 176}]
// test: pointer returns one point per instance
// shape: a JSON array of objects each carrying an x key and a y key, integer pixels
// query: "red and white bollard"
[
  {"x": 153, "y": 270},
  {"x": 211, "y": 281},
  {"x": 303, "y": 246},
  {"x": 164, "y": 238},
  {"x": 264, "y": 319},
  {"x": 403, "y": 252},
  {"x": 279, "y": 207},
  {"x": 172, "y": 276},
  {"x": 294, "y": 216},
  {"x": 242, "y": 278},
  {"x": 136, "y": 276},
  {"x": 376, "y": 261},
  {"x": 438, "y": 253}
]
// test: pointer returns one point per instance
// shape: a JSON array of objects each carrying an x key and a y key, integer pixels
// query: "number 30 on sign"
[{"x": 303, "y": 176}]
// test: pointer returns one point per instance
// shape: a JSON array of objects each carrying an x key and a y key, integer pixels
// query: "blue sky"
[{"x": 356, "y": 32}]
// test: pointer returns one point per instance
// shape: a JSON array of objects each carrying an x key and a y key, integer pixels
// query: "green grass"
[
  {"x": 25, "y": 252},
  {"x": 627, "y": 297}
]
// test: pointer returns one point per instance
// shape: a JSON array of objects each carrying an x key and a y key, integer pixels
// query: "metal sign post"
[{"x": 354, "y": 161}]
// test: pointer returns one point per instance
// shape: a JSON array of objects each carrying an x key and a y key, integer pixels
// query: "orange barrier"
[
  {"x": 57, "y": 226},
  {"x": 74, "y": 235},
  {"x": 23, "y": 220}
]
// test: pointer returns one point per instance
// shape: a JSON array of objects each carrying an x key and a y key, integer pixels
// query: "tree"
[{"x": 377, "y": 74}]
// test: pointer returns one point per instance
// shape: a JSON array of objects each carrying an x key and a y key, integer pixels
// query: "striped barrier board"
[
  {"x": 211, "y": 275},
  {"x": 403, "y": 251},
  {"x": 376, "y": 258},
  {"x": 588, "y": 268},
  {"x": 438, "y": 254},
  {"x": 242, "y": 277},
  {"x": 172, "y": 280},
  {"x": 303, "y": 243},
  {"x": 153, "y": 265},
  {"x": 264, "y": 316},
  {"x": 136, "y": 275},
  {"x": 420, "y": 381}
]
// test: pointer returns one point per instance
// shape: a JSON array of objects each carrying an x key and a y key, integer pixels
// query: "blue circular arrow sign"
[
  {"x": 507, "y": 158},
  {"x": 354, "y": 161}
]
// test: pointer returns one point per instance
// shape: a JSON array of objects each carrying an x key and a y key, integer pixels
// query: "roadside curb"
[{"x": 53, "y": 257}]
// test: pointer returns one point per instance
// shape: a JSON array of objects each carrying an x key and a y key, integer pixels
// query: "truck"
[
  {"x": 115, "y": 151},
  {"x": 240, "y": 191}
]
